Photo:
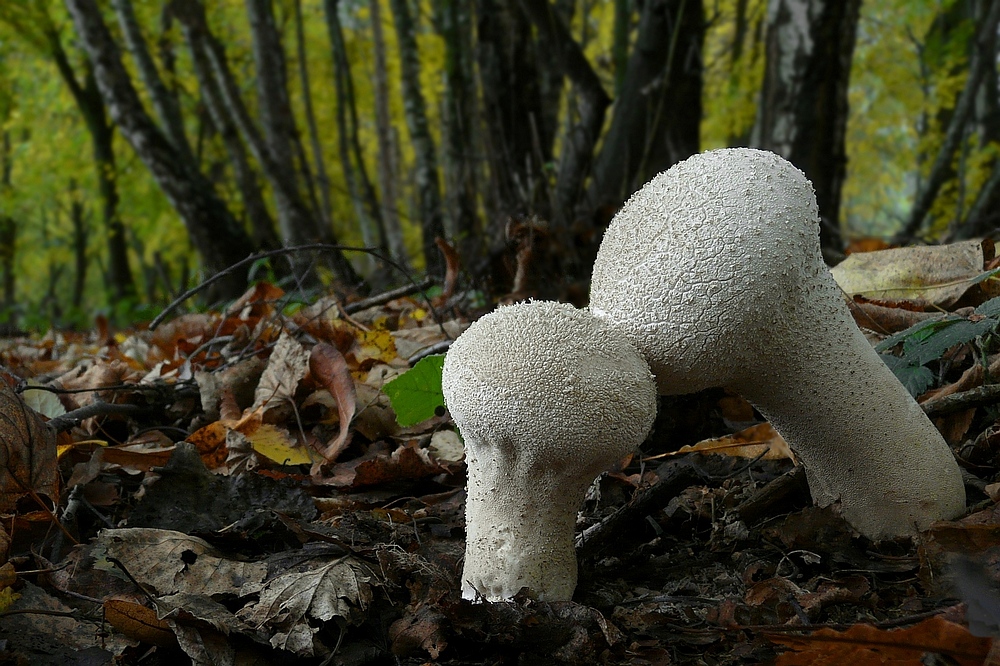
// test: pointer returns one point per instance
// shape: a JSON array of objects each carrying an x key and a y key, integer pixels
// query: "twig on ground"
[
  {"x": 680, "y": 475},
  {"x": 73, "y": 418},
  {"x": 385, "y": 297},
  {"x": 436, "y": 348},
  {"x": 311, "y": 247},
  {"x": 982, "y": 396},
  {"x": 775, "y": 493}
]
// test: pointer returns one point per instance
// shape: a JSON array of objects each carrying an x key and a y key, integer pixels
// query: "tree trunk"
[
  {"x": 386, "y": 152},
  {"x": 803, "y": 103},
  {"x": 8, "y": 252},
  {"x": 619, "y": 45},
  {"x": 983, "y": 217},
  {"x": 294, "y": 217},
  {"x": 425, "y": 173},
  {"x": 297, "y": 222},
  {"x": 215, "y": 233},
  {"x": 458, "y": 131},
  {"x": 656, "y": 118},
  {"x": 79, "y": 222},
  {"x": 552, "y": 88},
  {"x": 91, "y": 105},
  {"x": 261, "y": 222},
  {"x": 513, "y": 112},
  {"x": 359, "y": 186},
  {"x": 167, "y": 108},
  {"x": 591, "y": 103},
  {"x": 8, "y": 231},
  {"x": 322, "y": 178}
]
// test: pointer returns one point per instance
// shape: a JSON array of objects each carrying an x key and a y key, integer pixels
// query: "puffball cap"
[
  {"x": 706, "y": 251},
  {"x": 548, "y": 386}
]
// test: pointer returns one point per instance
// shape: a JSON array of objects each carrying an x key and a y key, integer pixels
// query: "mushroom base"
[
  {"x": 864, "y": 440},
  {"x": 520, "y": 538}
]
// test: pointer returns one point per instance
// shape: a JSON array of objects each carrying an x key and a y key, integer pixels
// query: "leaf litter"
[{"x": 237, "y": 488}]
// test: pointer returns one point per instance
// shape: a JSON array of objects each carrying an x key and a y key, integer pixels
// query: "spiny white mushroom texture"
[
  {"x": 713, "y": 270},
  {"x": 546, "y": 397}
]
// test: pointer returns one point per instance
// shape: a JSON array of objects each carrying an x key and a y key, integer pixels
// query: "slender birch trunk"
[
  {"x": 386, "y": 153},
  {"x": 425, "y": 173}
]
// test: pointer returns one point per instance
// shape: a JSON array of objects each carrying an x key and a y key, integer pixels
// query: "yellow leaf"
[
  {"x": 7, "y": 598},
  {"x": 371, "y": 347},
  {"x": 274, "y": 443}
]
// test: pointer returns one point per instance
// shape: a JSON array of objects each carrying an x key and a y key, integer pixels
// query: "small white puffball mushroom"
[
  {"x": 546, "y": 397},
  {"x": 713, "y": 269}
]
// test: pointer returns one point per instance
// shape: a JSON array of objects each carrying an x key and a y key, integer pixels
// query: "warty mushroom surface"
[
  {"x": 546, "y": 397},
  {"x": 713, "y": 270}
]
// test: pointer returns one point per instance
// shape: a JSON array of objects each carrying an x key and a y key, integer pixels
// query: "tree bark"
[
  {"x": 657, "y": 116},
  {"x": 803, "y": 105},
  {"x": 294, "y": 217},
  {"x": 552, "y": 90},
  {"x": 261, "y": 222},
  {"x": 79, "y": 222},
  {"x": 8, "y": 229},
  {"x": 359, "y": 186},
  {"x": 386, "y": 153},
  {"x": 214, "y": 232},
  {"x": 512, "y": 112},
  {"x": 425, "y": 172},
  {"x": 298, "y": 223},
  {"x": 592, "y": 103},
  {"x": 979, "y": 62},
  {"x": 984, "y": 214},
  {"x": 458, "y": 131},
  {"x": 8, "y": 252},
  {"x": 322, "y": 177},
  {"x": 619, "y": 45},
  {"x": 164, "y": 103},
  {"x": 91, "y": 105}
]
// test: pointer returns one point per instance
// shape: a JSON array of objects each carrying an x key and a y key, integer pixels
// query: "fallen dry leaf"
[
  {"x": 756, "y": 441},
  {"x": 294, "y": 604},
  {"x": 169, "y": 562},
  {"x": 380, "y": 466},
  {"x": 285, "y": 369},
  {"x": 932, "y": 275},
  {"x": 27, "y": 452},
  {"x": 864, "y": 644},
  {"x": 138, "y": 622},
  {"x": 329, "y": 369}
]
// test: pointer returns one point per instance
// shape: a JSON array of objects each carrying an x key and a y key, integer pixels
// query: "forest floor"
[{"x": 234, "y": 488}]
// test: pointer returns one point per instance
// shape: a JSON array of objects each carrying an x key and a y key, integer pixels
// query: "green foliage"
[
  {"x": 916, "y": 378},
  {"x": 731, "y": 83},
  {"x": 889, "y": 100},
  {"x": 928, "y": 341},
  {"x": 907, "y": 68},
  {"x": 416, "y": 394}
]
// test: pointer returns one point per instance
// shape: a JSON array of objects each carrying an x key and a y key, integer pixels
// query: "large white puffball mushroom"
[
  {"x": 546, "y": 397},
  {"x": 713, "y": 269}
]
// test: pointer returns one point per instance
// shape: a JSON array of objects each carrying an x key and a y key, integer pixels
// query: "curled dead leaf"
[
  {"x": 138, "y": 622},
  {"x": 329, "y": 369},
  {"x": 760, "y": 440},
  {"x": 27, "y": 452}
]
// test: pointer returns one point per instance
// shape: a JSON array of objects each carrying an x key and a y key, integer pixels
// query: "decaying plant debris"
[{"x": 233, "y": 488}]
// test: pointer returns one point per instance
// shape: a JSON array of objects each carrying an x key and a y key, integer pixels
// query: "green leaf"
[
  {"x": 416, "y": 394},
  {"x": 916, "y": 378},
  {"x": 990, "y": 308},
  {"x": 921, "y": 330},
  {"x": 918, "y": 350},
  {"x": 982, "y": 277}
]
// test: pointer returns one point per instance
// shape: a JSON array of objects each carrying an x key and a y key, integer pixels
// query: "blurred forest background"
[{"x": 147, "y": 144}]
